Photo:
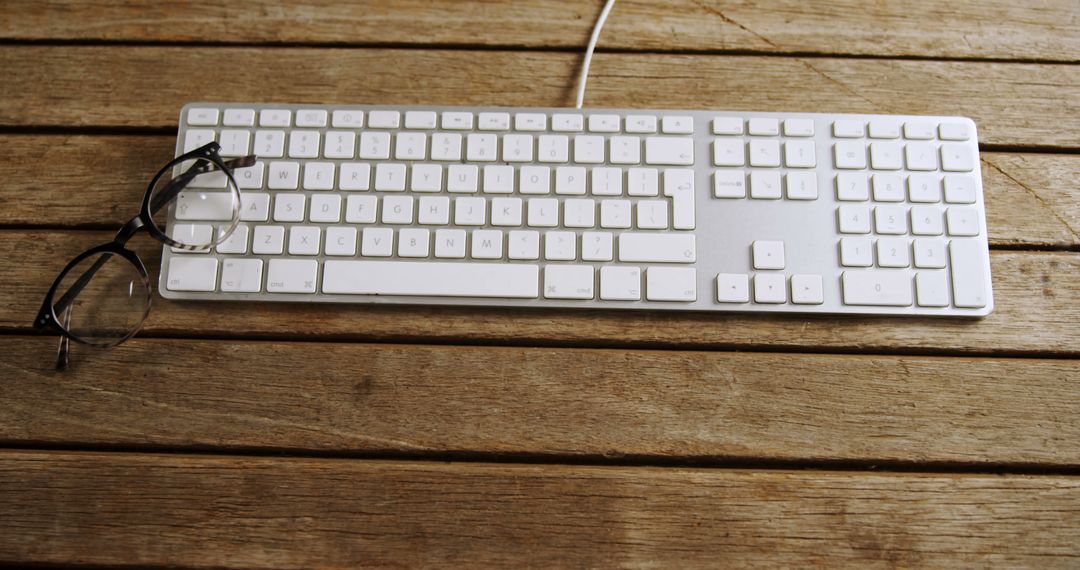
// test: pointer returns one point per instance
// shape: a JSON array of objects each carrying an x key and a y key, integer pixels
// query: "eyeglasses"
[{"x": 102, "y": 297}]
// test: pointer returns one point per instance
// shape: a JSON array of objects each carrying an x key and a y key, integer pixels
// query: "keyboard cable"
[{"x": 589, "y": 51}]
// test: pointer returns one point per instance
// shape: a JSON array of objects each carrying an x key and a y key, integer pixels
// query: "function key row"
[
  {"x": 843, "y": 129},
  {"x": 450, "y": 120}
]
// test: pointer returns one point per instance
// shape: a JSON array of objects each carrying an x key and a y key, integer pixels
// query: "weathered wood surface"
[
  {"x": 1034, "y": 294},
  {"x": 1032, "y": 105},
  {"x": 98, "y": 180},
  {"x": 113, "y": 509},
  {"x": 997, "y": 29},
  {"x": 581, "y": 403}
]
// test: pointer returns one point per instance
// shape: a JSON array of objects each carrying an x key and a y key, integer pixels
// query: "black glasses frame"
[{"x": 207, "y": 158}]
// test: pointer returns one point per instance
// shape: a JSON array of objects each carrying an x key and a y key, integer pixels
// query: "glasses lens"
[
  {"x": 102, "y": 300},
  {"x": 205, "y": 199}
]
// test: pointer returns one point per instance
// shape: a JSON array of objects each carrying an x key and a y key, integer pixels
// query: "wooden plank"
[
  {"x": 1034, "y": 292},
  {"x": 1044, "y": 30},
  {"x": 120, "y": 509},
  {"x": 97, "y": 180},
  {"x": 418, "y": 399},
  {"x": 94, "y": 86}
]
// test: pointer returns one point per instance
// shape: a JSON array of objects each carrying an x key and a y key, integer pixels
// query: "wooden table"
[{"x": 256, "y": 435}]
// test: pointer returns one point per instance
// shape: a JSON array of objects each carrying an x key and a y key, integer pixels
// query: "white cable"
[{"x": 589, "y": 50}]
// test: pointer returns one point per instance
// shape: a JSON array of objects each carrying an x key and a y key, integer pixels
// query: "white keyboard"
[{"x": 613, "y": 208}]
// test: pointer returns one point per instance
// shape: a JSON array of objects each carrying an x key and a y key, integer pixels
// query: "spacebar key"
[{"x": 431, "y": 279}]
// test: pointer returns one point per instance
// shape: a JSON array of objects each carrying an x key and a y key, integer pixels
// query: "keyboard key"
[
  {"x": 957, "y": 157},
  {"x": 852, "y": 187},
  {"x": 469, "y": 211},
  {"x": 727, "y": 126},
  {"x": 289, "y": 207},
  {"x": 625, "y": 150},
  {"x": 884, "y": 129},
  {"x": 275, "y": 118},
  {"x": 319, "y": 176},
  {"x": 604, "y": 123},
  {"x": 615, "y": 214},
  {"x": 523, "y": 244},
  {"x": 639, "y": 181},
  {"x": 764, "y": 153},
  {"x": 571, "y": 180},
  {"x": 763, "y": 127},
  {"x": 924, "y": 188},
  {"x": 877, "y": 287},
  {"x": 799, "y": 127},
  {"x": 886, "y": 155},
  {"x": 494, "y": 122},
  {"x": 926, "y": 221},
  {"x": 677, "y": 125},
  {"x": 671, "y": 284},
  {"x": 588, "y": 149},
  {"x": 269, "y": 144},
  {"x": 959, "y": 189},
  {"x": 848, "y": 129},
  {"x": 854, "y": 219},
  {"x": 450, "y": 244},
  {"x": 325, "y": 208},
  {"x": 304, "y": 144},
  {"x": 486, "y": 244},
  {"x": 410, "y": 146},
  {"x": 807, "y": 290},
  {"x": 347, "y": 119},
  {"x": 765, "y": 185},
  {"x": 535, "y": 180},
  {"x": 420, "y": 119},
  {"x": 802, "y": 186},
  {"x": 652, "y": 214},
  {"x": 416, "y": 242},
  {"x": 929, "y": 253},
  {"x": 620, "y": 283},
  {"x": 457, "y": 120},
  {"x": 578, "y": 213},
  {"x": 920, "y": 156},
  {"x": 241, "y": 275},
  {"x": 729, "y": 152},
  {"x": 888, "y": 187},
  {"x": 918, "y": 130},
  {"x": 354, "y": 176},
  {"x": 377, "y": 242},
  {"x": 890, "y": 220},
  {"x": 768, "y": 254},
  {"x": 675, "y": 151},
  {"x": 679, "y": 186},
  {"x": 932, "y": 289},
  {"x": 291, "y": 275},
  {"x": 560, "y": 246},
  {"x": 657, "y": 248},
  {"x": 968, "y": 274},
  {"x": 732, "y": 288},
  {"x": 426, "y": 178},
  {"x": 268, "y": 240},
  {"x": 567, "y": 123},
  {"x": 543, "y": 213},
  {"x": 597, "y": 246},
  {"x": 390, "y": 177},
  {"x": 553, "y": 148},
  {"x": 850, "y": 155},
  {"x": 641, "y": 124},
  {"x": 361, "y": 209},
  {"x": 893, "y": 252},
  {"x": 505, "y": 211},
  {"x": 192, "y": 274},
  {"x": 530, "y": 122},
  {"x": 431, "y": 279},
  {"x": 481, "y": 148},
  {"x": 238, "y": 118},
  {"x": 568, "y": 282},
  {"x": 384, "y": 119},
  {"x": 205, "y": 206},
  {"x": 498, "y": 179},
  {"x": 856, "y": 252},
  {"x": 954, "y": 132},
  {"x": 434, "y": 210},
  {"x": 283, "y": 176},
  {"x": 340, "y": 144},
  {"x": 341, "y": 241},
  {"x": 962, "y": 221},
  {"x": 800, "y": 154},
  {"x": 730, "y": 184},
  {"x": 397, "y": 210},
  {"x": 254, "y": 206},
  {"x": 311, "y": 118},
  {"x": 304, "y": 240},
  {"x": 770, "y": 288},
  {"x": 202, "y": 116},
  {"x": 517, "y": 148}
]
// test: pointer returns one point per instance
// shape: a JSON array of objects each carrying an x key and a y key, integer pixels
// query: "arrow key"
[
  {"x": 806, "y": 290},
  {"x": 732, "y": 288}
]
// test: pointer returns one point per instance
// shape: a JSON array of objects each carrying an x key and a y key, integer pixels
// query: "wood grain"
[
  {"x": 278, "y": 513},
  {"x": 97, "y": 180},
  {"x": 1034, "y": 292},
  {"x": 583, "y": 403},
  {"x": 1033, "y": 105},
  {"x": 1045, "y": 30}
]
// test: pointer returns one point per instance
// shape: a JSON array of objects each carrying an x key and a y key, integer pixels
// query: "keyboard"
[{"x": 611, "y": 209}]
